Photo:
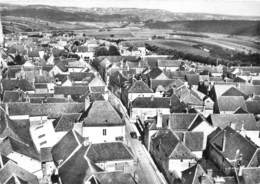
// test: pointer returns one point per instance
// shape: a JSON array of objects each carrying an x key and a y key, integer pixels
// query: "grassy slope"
[{"x": 235, "y": 27}]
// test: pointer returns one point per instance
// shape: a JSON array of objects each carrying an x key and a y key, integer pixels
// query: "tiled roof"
[
  {"x": 71, "y": 90},
  {"x": 14, "y": 84},
  {"x": 53, "y": 110},
  {"x": 66, "y": 122},
  {"x": 178, "y": 121},
  {"x": 113, "y": 151},
  {"x": 12, "y": 170},
  {"x": 170, "y": 145},
  {"x": 248, "y": 121},
  {"x": 151, "y": 102},
  {"x": 231, "y": 103},
  {"x": 140, "y": 87},
  {"x": 234, "y": 142},
  {"x": 253, "y": 106},
  {"x": 109, "y": 117},
  {"x": 114, "y": 178},
  {"x": 65, "y": 147},
  {"x": 194, "y": 175}
]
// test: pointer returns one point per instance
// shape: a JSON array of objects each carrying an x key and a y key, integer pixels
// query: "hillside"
[
  {"x": 42, "y": 17},
  {"x": 231, "y": 27}
]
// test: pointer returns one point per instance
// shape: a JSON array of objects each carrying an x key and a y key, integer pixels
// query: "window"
[
  {"x": 40, "y": 136},
  {"x": 104, "y": 132},
  {"x": 42, "y": 143}
]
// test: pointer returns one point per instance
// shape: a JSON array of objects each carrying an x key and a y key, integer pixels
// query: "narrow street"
[
  {"x": 147, "y": 172},
  {"x": 146, "y": 169}
]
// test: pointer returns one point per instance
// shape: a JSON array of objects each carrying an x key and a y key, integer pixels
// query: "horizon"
[{"x": 247, "y": 8}]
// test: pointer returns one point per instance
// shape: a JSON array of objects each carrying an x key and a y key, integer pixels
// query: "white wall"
[
  {"x": 206, "y": 129},
  {"x": 178, "y": 166},
  {"x": 111, "y": 165},
  {"x": 132, "y": 96},
  {"x": 95, "y": 134},
  {"x": 27, "y": 163},
  {"x": 143, "y": 113}
]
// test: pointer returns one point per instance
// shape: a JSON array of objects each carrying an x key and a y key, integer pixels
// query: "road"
[{"x": 146, "y": 169}]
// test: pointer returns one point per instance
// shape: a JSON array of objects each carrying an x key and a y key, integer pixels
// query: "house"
[
  {"x": 253, "y": 107},
  {"x": 228, "y": 149},
  {"x": 36, "y": 112},
  {"x": 160, "y": 87},
  {"x": 139, "y": 89},
  {"x": 144, "y": 107},
  {"x": 11, "y": 173},
  {"x": 195, "y": 175},
  {"x": 111, "y": 156},
  {"x": 47, "y": 162},
  {"x": 65, "y": 123},
  {"x": 17, "y": 144},
  {"x": 172, "y": 65},
  {"x": 193, "y": 80},
  {"x": 156, "y": 73},
  {"x": 109, "y": 127},
  {"x": 22, "y": 84},
  {"x": 229, "y": 104},
  {"x": 171, "y": 155},
  {"x": 81, "y": 160},
  {"x": 97, "y": 85},
  {"x": 246, "y": 124}
]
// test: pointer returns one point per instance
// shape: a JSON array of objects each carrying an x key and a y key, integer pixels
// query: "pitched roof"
[
  {"x": 195, "y": 174},
  {"x": 48, "y": 100},
  {"x": 13, "y": 96},
  {"x": 234, "y": 142},
  {"x": 10, "y": 84},
  {"x": 251, "y": 175},
  {"x": 192, "y": 140},
  {"x": 178, "y": 121},
  {"x": 154, "y": 73},
  {"x": 77, "y": 168},
  {"x": 12, "y": 170},
  {"x": 112, "y": 151},
  {"x": 166, "y": 83},
  {"x": 253, "y": 106},
  {"x": 170, "y": 145},
  {"x": 66, "y": 146},
  {"x": 114, "y": 178},
  {"x": 66, "y": 121},
  {"x": 169, "y": 63},
  {"x": 233, "y": 92},
  {"x": 52, "y": 110},
  {"x": 230, "y": 103},
  {"x": 46, "y": 155},
  {"x": 247, "y": 121},
  {"x": 152, "y": 102},
  {"x": 140, "y": 87},
  {"x": 71, "y": 90},
  {"x": 109, "y": 117},
  {"x": 193, "y": 79}
]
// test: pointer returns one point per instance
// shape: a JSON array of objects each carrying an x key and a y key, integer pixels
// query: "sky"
[{"x": 228, "y": 7}]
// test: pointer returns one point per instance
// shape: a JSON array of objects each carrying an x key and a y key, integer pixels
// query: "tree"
[
  {"x": 113, "y": 51},
  {"x": 102, "y": 51}
]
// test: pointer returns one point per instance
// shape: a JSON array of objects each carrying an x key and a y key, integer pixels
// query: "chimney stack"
[
  {"x": 159, "y": 120},
  {"x": 224, "y": 141},
  {"x": 6, "y": 109}
]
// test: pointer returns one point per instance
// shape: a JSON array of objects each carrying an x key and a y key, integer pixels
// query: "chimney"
[
  {"x": 87, "y": 103},
  {"x": 152, "y": 98},
  {"x": 224, "y": 141},
  {"x": 86, "y": 142},
  {"x": 210, "y": 172},
  {"x": 7, "y": 109},
  {"x": 159, "y": 120},
  {"x": 219, "y": 180},
  {"x": 40, "y": 71},
  {"x": 232, "y": 125}
]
